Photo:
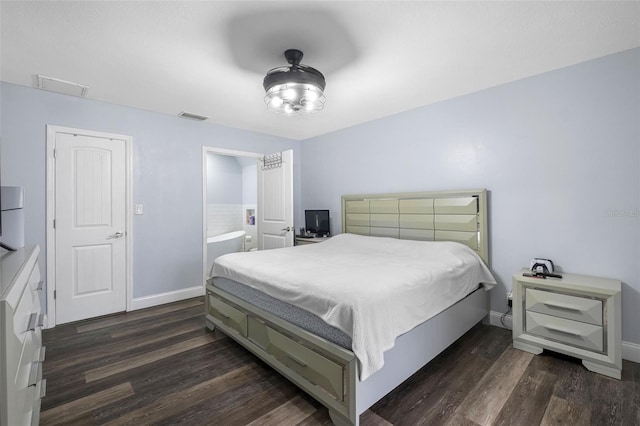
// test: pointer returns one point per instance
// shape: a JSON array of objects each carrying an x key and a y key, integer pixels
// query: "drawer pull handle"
[
  {"x": 563, "y": 330},
  {"x": 43, "y": 388},
  {"x": 224, "y": 316},
  {"x": 296, "y": 360},
  {"x": 561, "y": 306},
  {"x": 35, "y": 371},
  {"x": 35, "y": 321},
  {"x": 40, "y": 285}
]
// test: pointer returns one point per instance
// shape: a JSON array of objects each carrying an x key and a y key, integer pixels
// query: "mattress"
[
  {"x": 286, "y": 311},
  {"x": 373, "y": 289}
]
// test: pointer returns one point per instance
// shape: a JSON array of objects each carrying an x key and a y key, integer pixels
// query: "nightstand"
[
  {"x": 577, "y": 315},
  {"x": 303, "y": 241}
]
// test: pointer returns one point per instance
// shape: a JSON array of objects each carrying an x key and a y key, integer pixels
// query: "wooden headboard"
[{"x": 459, "y": 216}]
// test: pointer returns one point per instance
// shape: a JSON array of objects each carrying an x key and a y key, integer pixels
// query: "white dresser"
[
  {"x": 577, "y": 315},
  {"x": 21, "y": 350}
]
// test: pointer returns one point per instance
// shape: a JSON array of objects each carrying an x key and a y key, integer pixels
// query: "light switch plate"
[{"x": 139, "y": 209}]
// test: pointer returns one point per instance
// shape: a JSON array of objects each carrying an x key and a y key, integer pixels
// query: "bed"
[{"x": 342, "y": 351}]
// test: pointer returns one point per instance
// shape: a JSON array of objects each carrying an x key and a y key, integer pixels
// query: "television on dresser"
[{"x": 317, "y": 222}]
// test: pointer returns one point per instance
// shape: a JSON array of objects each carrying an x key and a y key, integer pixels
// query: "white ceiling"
[{"x": 379, "y": 58}]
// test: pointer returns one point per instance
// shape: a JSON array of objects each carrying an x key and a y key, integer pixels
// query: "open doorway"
[
  {"x": 230, "y": 203},
  {"x": 245, "y": 218}
]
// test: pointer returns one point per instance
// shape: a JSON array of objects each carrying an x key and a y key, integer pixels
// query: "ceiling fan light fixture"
[{"x": 294, "y": 90}]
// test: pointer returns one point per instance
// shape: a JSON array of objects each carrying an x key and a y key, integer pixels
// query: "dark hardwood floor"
[{"x": 161, "y": 366}]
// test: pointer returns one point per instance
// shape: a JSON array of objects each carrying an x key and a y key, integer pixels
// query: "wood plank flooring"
[{"x": 162, "y": 366}]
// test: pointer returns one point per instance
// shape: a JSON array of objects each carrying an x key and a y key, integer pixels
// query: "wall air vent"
[
  {"x": 60, "y": 86},
  {"x": 193, "y": 116}
]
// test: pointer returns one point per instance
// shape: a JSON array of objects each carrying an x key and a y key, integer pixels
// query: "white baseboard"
[
  {"x": 630, "y": 351},
  {"x": 494, "y": 319},
  {"x": 168, "y": 297}
]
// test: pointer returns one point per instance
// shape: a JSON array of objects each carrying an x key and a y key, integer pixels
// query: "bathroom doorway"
[{"x": 230, "y": 200}]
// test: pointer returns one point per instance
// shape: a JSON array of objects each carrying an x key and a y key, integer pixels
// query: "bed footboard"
[
  {"x": 327, "y": 371},
  {"x": 324, "y": 370}
]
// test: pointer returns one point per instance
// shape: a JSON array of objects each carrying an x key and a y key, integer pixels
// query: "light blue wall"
[
  {"x": 559, "y": 152},
  {"x": 167, "y": 175},
  {"x": 250, "y": 184},
  {"x": 224, "y": 180}
]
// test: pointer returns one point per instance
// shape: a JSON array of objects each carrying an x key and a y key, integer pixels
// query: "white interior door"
[
  {"x": 275, "y": 201},
  {"x": 90, "y": 226}
]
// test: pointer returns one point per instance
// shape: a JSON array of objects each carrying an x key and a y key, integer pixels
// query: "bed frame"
[{"x": 329, "y": 372}]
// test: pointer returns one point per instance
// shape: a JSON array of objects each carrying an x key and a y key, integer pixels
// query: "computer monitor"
[{"x": 317, "y": 222}]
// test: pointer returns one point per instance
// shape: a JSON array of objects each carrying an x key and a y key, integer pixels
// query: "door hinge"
[
  {"x": 54, "y": 294},
  {"x": 54, "y": 153},
  {"x": 54, "y": 224}
]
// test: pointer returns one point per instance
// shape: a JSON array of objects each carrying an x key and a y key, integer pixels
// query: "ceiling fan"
[{"x": 296, "y": 89}]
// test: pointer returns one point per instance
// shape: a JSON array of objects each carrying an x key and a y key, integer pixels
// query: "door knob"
[
  {"x": 118, "y": 234},
  {"x": 287, "y": 229}
]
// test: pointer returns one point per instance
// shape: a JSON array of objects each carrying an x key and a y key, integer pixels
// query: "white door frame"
[
  {"x": 50, "y": 207},
  {"x": 220, "y": 151}
]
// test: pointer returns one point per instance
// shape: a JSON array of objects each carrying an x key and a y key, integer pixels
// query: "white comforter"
[{"x": 373, "y": 289}]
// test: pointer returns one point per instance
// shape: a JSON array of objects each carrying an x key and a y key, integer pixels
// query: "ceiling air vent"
[
  {"x": 192, "y": 116},
  {"x": 60, "y": 86}
]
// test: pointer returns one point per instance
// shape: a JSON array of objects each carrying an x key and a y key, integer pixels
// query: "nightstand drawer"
[
  {"x": 566, "y": 331},
  {"x": 564, "y": 306}
]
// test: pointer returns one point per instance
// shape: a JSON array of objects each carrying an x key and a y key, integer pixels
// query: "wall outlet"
[{"x": 510, "y": 298}]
